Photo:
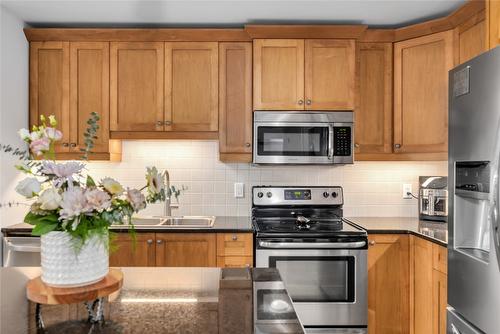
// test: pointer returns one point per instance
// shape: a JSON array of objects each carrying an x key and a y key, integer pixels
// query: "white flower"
[
  {"x": 53, "y": 134},
  {"x": 62, "y": 171},
  {"x": 112, "y": 186},
  {"x": 29, "y": 187},
  {"x": 136, "y": 199},
  {"x": 74, "y": 203},
  {"x": 98, "y": 200},
  {"x": 35, "y": 135},
  {"x": 24, "y": 134},
  {"x": 154, "y": 180},
  {"x": 50, "y": 199},
  {"x": 40, "y": 146}
]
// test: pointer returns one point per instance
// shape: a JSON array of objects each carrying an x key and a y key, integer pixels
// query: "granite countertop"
[
  {"x": 152, "y": 300},
  {"x": 222, "y": 224},
  {"x": 434, "y": 231}
]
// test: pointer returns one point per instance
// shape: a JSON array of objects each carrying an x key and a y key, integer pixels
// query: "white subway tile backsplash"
[{"x": 371, "y": 188}]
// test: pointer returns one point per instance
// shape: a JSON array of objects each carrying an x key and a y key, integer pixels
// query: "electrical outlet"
[
  {"x": 406, "y": 190},
  {"x": 239, "y": 189}
]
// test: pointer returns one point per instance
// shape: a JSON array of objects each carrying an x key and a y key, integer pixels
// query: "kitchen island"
[{"x": 159, "y": 300}]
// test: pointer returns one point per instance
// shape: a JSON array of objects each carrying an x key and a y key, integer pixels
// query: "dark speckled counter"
[
  {"x": 433, "y": 231},
  {"x": 230, "y": 224}
]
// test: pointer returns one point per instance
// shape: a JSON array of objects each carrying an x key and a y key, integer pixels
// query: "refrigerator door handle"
[{"x": 495, "y": 200}]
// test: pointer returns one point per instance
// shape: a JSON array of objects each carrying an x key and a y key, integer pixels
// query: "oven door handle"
[
  {"x": 31, "y": 247},
  {"x": 301, "y": 245}
]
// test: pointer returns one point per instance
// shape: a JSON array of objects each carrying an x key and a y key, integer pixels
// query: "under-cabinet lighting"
[{"x": 159, "y": 300}]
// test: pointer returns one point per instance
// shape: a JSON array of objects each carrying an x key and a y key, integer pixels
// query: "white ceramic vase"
[{"x": 63, "y": 265}]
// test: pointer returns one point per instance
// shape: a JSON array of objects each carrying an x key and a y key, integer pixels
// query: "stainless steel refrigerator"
[{"x": 474, "y": 151}]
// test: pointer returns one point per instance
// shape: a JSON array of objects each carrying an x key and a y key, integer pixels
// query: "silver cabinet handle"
[
  {"x": 22, "y": 248},
  {"x": 248, "y": 144},
  {"x": 65, "y": 144},
  {"x": 234, "y": 237},
  {"x": 372, "y": 243},
  {"x": 301, "y": 102},
  {"x": 308, "y": 102},
  {"x": 397, "y": 146},
  {"x": 73, "y": 145},
  {"x": 149, "y": 241},
  {"x": 356, "y": 145},
  {"x": 159, "y": 123},
  {"x": 299, "y": 245},
  {"x": 168, "y": 123},
  {"x": 159, "y": 241}
]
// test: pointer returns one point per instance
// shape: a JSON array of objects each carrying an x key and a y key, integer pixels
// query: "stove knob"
[
  {"x": 326, "y": 194},
  {"x": 269, "y": 194},
  {"x": 260, "y": 194},
  {"x": 334, "y": 194}
]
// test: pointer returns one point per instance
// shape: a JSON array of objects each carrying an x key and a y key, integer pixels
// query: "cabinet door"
[
  {"x": 374, "y": 113},
  {"x": 186, "y": 249},
  {"x": 439, "y": 302},
  {"x": 492, "y": 23},
  {"x": 388, "y": 284},
  {"x": 89, "y": 92},
  {"x": 136, "y": 92},
  {"x": 49, "y": 86},
  {"x": 329, "y": 74},
  {"x": 191, "y": 86},
  {"x": 140, "y": 253},
  {"x": 422, "y": 286},
  {"x": 421, "y": 68},
  {"x": 278, "y": 74},
  {"x": 235, "y": 98},
  {"x": 471, "y": 37}
]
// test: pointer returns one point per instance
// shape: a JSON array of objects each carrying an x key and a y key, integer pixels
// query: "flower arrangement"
[{"x": 64, "y": 199}]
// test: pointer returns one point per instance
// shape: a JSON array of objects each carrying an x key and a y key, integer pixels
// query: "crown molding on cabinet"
[{"x": 305, "y": 31}]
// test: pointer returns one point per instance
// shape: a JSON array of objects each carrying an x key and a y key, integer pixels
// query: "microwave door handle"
[{"x": 330, "y": 142}]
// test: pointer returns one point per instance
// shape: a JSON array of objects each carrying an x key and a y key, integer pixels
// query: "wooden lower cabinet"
[
  {"x": 388, "y": 284},
  {"x": 232, "y": 250},
  {"x": 185, "y": 250},
  {"x": 128, "y": 254}
]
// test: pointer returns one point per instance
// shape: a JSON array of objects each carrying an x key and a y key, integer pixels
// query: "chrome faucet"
[{"x": 168, "y": 195}]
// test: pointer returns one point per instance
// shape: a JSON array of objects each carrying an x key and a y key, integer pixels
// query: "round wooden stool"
[{"x": 91, "y": 295}]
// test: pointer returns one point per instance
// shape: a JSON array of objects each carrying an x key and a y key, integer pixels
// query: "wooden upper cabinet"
[
  {"x": 235, "y": 98},
  {"x": 492, "y": 32},
  {"x": 136, "y": 87},
  {"x": 130, "y": 253},
  {"x": 373, "y": 126},
  {"x": 421, "y": 68},
  {"x": 278, "y": 74},
  {"x": 472, "y": 37},
  {"x": 191, "y": 86},
  {"x": 388, "y": 284},
  {"x": 186, "y": 250},
  {"x": 329, "y": 74},
  {"x": 49, "y": 86},
  {"x": 89, "y": 92}
]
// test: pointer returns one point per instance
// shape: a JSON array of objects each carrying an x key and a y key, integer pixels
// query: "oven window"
[
  {"x": 292, "y": 141},
  {"x": 317, "y": 279}
]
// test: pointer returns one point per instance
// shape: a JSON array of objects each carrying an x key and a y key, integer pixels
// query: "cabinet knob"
[
  {"x": 372, "y": 243},
  {"x": 149, "y": 241},
  {"x": 234, "y": 237},
  {"x": 168, "y": 123},
  {"x": 356, "y": 145},
  {"x": 159, "y": 241},
  {"x": 308, "y": 102},
  {"x": 73, "y": 145},
  {"x": 301, "y": 102},
  {"x": 397, "y": 145},
  {"x": 248, "y": 144},
  {"x": 159, "y": 123},
  {"x": 247, "y": 265},
  {"x": 65, "y": 144}
]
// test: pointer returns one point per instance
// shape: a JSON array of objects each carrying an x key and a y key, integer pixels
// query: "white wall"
[
  {"x": 14, "y": 64},
  {"x": 371, "y": 188}
]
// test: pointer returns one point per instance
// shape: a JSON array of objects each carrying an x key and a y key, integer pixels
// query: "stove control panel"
[{"x": 271, "y": 195}]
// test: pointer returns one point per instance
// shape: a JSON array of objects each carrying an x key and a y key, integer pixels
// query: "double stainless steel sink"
[{"x": 161, "y": 222}]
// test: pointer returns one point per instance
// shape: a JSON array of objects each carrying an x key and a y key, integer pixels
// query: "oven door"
[
  {"x": 293, "y": 143},
  {"x": 328, "y": 287}
]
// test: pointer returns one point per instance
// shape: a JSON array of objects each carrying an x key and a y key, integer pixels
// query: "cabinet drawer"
[
  {"x": 234, "y": 261},
  {"x": 234, "y": 244},
  {"x": 440, "y": 258}
]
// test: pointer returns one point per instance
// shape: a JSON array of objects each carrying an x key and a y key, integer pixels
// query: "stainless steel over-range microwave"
[{"x": 303, "y": 137}]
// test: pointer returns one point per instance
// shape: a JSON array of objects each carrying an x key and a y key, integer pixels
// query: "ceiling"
[{"x": 209, "y": 13}]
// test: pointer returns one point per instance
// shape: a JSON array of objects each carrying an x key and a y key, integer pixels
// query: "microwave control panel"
[{"x": 342, "y": 141}]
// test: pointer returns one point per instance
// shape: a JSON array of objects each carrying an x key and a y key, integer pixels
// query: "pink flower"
[
  {"x": 136, "y": 199},
  {"x": 98, "y": 200},
  {"x": 62, "y": 171},
  {"x": 74, "y": 203},
  {"x": 40, "y": 146},
  {"x": 53, "y": 134}
]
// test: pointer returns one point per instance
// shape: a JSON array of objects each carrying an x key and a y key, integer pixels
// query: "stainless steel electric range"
[{"x": 321, "y": 257}]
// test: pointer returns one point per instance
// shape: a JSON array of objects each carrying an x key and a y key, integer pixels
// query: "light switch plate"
[
  {"x": 239, "y": 190},
  {"x": 406, "y": 190}
]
